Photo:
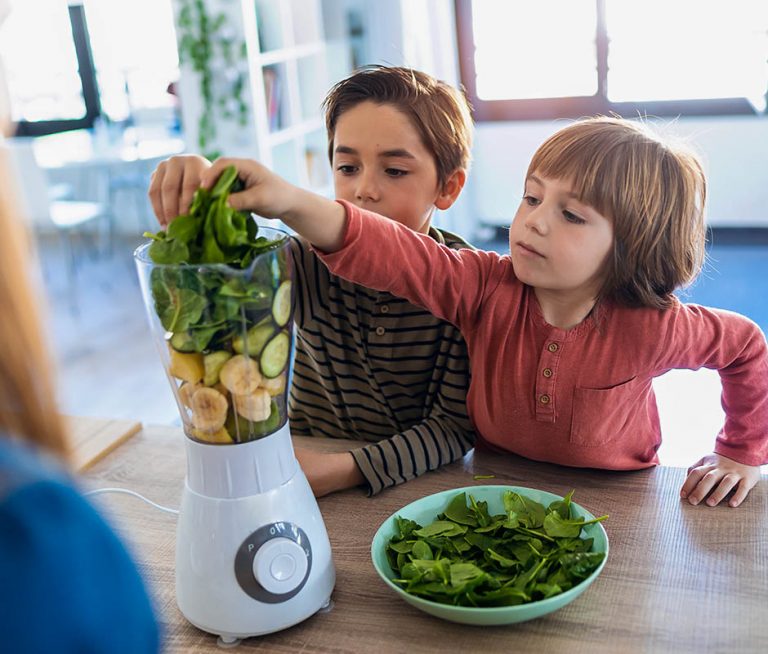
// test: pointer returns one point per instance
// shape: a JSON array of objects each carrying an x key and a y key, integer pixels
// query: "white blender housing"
[{"x": 252, "y": 552}]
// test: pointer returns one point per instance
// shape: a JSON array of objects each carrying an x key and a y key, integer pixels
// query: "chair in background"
[{"x": 67, "y": 219}]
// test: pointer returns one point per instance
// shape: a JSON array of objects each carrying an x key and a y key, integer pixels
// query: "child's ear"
[{"x": 451, "y": 189}]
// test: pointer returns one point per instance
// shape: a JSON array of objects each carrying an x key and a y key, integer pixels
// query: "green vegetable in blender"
[
  {"x": 274, "y": 356},
  {"x": 235, "y": 306}
]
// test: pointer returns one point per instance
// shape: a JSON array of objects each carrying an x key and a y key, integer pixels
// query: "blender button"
[
  {"x": 283, "y": 566},
  {"x": 280, "y": 565}
]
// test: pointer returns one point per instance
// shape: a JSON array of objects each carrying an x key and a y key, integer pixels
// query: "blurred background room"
[{"x": 101, "y": 91}]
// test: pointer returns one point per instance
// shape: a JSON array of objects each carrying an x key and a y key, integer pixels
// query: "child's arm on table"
[
  {"x": 735, "y": 347},
  {"x": 376, "y": 465},
  {"x": 328, "y": 472}
]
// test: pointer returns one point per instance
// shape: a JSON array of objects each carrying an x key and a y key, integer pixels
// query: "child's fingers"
[
  {"x": 692, "y": 480},
  {"x": 209, "y": 177},
  {"x": 170, "y": 189},
  {"x": 707, "y": 482},
  {"x": 726, "y": 485},
  {"x": 741, "y": 493},
  {"x": 155, "y": 195},
  {"x": 189, "y": 184}
]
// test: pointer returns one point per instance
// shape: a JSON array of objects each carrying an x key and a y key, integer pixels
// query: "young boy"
[{"x": 370, "y": 366}]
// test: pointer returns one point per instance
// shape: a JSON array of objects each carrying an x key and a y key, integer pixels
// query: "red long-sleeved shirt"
[{"x": 578, "y": 397}]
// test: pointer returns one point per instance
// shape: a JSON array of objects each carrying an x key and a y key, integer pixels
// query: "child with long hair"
[{"x": 566, "y": 333}]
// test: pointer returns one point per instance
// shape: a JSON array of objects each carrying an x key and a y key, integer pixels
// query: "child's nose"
[
  {"x": 537, "y": 220},
  {"x": 367, "y": 187}
]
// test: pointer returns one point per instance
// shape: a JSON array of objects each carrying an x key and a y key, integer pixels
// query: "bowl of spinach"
[{"x": 490, "y": 555}]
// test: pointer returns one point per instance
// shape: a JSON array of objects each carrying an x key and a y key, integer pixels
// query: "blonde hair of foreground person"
[{"x": 28, "y": 408}]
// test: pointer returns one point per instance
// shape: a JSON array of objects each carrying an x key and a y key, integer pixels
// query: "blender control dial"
[
  {"x": 280, "y": 565},
  {"x": 273, "y": 563}
]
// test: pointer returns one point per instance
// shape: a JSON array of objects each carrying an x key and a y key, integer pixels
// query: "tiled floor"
[{"x": 108, "y": 366}]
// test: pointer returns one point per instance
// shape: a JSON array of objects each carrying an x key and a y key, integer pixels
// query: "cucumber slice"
[
  {"x": 281, "y": 305},
  {"x": 274, "y": 356},
  {"x": 255, "y": 339}
]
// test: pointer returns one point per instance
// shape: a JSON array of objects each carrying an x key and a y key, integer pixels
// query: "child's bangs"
[{"x": 585, "y": 162}]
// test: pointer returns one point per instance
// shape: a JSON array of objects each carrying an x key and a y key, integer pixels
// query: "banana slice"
[
  {"x": 240, "y": 375},
  {"x": 209, "y": 410},
  {"x": 186, "y": 391},
  {"x": 255, "y": 407},
  {"x": 274, "y": 386}
]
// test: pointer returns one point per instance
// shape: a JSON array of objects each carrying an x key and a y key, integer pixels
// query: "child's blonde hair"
[
  {"x": 439, "y": 112},
  {"x": 654, "y": 191}
]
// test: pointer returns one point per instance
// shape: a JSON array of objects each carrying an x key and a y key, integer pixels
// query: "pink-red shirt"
[{"x": 581, "y": 397}]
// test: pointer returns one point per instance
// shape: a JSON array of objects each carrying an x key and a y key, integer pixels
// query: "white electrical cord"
[{"x": 98, "y": 491}]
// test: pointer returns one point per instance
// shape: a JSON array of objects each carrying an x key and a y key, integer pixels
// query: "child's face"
[
  {"x": 558, "y": 243},
  {"x": 381, "y": 164}
]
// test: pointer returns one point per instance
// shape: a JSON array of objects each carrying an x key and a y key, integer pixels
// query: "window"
[
  {"x": 63, "y": 73},
  {"x": 50, "y": 75},
  {"x": 569, "y": 58}
]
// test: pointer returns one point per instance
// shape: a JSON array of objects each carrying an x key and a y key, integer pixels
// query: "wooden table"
[{"x": 678, "y": 578}]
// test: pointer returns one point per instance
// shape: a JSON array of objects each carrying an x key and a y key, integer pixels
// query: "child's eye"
[
  {"x": 396, "y": 172},
  {"x": 530, "y": 200},
  {"x": 347, "y": 169},
  {"x": 573, "y": 218}
]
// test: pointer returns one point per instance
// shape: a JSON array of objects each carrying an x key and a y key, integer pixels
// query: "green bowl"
[{"x": 424, "y": 512}]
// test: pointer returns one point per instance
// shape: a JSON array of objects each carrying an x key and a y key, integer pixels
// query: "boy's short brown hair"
[
  {"x": 652, "y": 189},
  {"x": 438, "y": 111}
]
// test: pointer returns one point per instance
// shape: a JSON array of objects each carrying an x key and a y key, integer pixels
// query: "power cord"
[{"x": 99, "y": 491}]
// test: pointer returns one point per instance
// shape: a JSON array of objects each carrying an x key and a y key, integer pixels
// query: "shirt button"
[
  {"x": 385, "y": 309},
  {"x": 544, "y": 399},
  {"x": 552, "y": 347},
  {"x": 547, "y": 372},
  {"x": 380, "y": 331}
]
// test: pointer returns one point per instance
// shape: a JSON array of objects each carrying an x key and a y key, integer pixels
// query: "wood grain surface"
[
  {"x": 93, "y": 438},
  {"x": 678, "y": 578}
]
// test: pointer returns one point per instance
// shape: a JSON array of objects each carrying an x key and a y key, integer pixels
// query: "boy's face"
[
  {"x": 381, "y": 164},
  {"x": 556, "y": 242}
]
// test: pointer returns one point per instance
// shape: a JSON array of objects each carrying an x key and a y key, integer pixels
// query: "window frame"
[
  {"x": 86, "y": 70},
  {"x": 575, "y": 107}
]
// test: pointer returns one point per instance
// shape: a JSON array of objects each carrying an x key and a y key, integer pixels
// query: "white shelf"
[
  {"x": 290, "y": 67},
  {"x": 286, "y": 54},
  {"x": 295, "y": 131}
]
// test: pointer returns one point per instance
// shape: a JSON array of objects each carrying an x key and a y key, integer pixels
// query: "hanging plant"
[{"x": 208, "y": 44}]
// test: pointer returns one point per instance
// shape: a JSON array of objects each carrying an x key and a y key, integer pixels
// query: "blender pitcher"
[{"x": 252, "y": 552}]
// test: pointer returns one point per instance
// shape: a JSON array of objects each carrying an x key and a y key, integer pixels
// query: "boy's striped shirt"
[{"x": 370, "y": 366}]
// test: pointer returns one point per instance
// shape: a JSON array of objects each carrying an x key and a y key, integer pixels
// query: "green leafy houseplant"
[
  {"x": 467, "y": 557},
  {"x": 225, "y": 309},
  {"x": 205, "y": 39}
]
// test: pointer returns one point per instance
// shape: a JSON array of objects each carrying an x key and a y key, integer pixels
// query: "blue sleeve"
[{"x": 67, "y": 584}]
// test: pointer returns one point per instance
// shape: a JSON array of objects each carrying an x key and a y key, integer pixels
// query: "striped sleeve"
[{"x": 373, "y": 367}]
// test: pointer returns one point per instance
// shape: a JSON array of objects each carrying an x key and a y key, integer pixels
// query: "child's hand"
[
  {"x": 716, "y": 475},
  {"x": 318, "y": 219},
  {"x": 265, "y": 193},
  {"x": 328, "y": 472},
  {"x": 173, "y": 184}
]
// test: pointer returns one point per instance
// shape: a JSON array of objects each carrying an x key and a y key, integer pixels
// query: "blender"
[{"x": 252, "y": 551}]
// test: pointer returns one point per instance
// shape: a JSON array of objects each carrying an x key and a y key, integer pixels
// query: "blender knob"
[{"x": 280, "y": 565}]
